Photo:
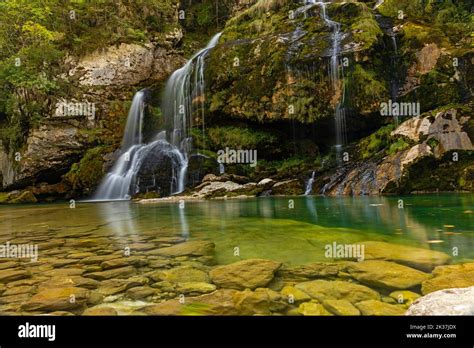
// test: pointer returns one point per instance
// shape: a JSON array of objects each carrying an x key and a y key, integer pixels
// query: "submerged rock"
[
  {"x": 341, "y": 307},
  {"x": 422, "y": 259},
  {"x": 372, "y": 307},
  {"x": 388, "y": 275},
  {"x": 195, "y": 248},
  {"x": 244, "y": 274},
  {"x": 446, "y": 277},
  {"x": 288, "y": 188},
  {"x": 322, "y": 290},
  {"x": 445, "y": 302},
  {"x": 312, "y": 309},
  {"x": 57, "y": 299}
]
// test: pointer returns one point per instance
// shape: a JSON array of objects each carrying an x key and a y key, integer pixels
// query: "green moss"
[
  {"x": 397, "y": 146},
  {"x": 87, "y": 173}
]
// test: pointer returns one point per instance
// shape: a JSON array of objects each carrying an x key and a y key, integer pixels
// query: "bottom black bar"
[{"x": 241, "y": 331}]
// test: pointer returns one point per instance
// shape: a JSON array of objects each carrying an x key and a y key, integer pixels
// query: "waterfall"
[
  {"x": 309, "y": 185},
  {"x": 335, "y": 75},
  {"x": 172, "y": 143}
]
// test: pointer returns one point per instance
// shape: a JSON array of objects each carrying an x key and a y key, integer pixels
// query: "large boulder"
[
  {"x": 445, "y": 302},
  {"x": 453, "y": 276},
  {"x": 378, "y": 308},
  {"x": 419, "y": 258},
  {"x": 387, "y": 275}
]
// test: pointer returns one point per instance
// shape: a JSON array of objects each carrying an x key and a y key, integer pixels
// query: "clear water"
[{"x": 263, "y": 228}]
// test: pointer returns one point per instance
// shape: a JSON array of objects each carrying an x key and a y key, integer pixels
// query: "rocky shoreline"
[{"x": 81, "y": 274}]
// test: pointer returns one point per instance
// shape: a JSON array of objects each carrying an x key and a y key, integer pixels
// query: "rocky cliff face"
[{"x": 269, "y": 89}]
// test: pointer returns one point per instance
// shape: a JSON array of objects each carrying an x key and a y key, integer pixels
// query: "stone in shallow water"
[
  {"x": 195, "y": 288},
  {"x": 17, "y": 290},
  {"x": 220, "y": 302},
  {"x": 373, "y": 307},
  {"x": 57, "y": 299},
  {"x": 406, "y": 297},
  {"x": 445, "y": 302},
  {"x": 184, "y": 274},
  {"x": 252, "y": 273},
  {"x": 115, "y": 286},
  {"x": 313, "y": 309},
  {"x": 313, "y": 270},
  {"x": 12, "y": 274},
  {"x": 446, "y": 277},
  {"x": 341, "y": 307},
  {"x": 419, "y": 258},
  {"x": 141, "y": 292},
  {"x": 112, "y": 273},
  {"x": 196, "y": 248},
  {"x": 100, "y": 311},
  {"x": 322, "y": 290},
  {"x": 98, "y": 259},
  {"x": 262, "y": 301},
  {"x": 387, "y": 275},
  {"x": 64, "y": 272},
  {"x": 295, "y": 295},
  {"x": 69, "y": 281},
  {"x": 137, "y": 261}
]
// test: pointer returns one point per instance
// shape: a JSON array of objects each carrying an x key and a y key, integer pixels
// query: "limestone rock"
[
  {"x": 112, "y": 273},
  {"x": 288, "y": 188},
  {"x": 341, "y": 307},
  {"x": 377, "y": 308},
  {"x": 195, "y": 288},
  {"x": 57, "y": 299},
  {"x": 455, "y": 276},
  {"x": 445, "y": 302},
  {"x": 313, "y": 309},
  {"x": 184, "y": 274},
  {"x": 195, "y": 248},
  {"x": 422, "y": 259},
  {"x": 100, "y": 311},
  {"x": 322, "y": 290},
  {"x": 252, "y": 273},
  {"x": 388, "y": 275}
]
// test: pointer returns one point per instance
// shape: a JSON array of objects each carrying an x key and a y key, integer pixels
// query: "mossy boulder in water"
[
  {"x": 244, "y": 274},
  {"x": 322, "y": 290},
  {"x": 388, "y": 275},
  {"x": 455, "y": 276}
]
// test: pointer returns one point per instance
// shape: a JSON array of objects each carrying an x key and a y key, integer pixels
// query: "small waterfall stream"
[
  {"x": 184, "y": 87},
  {"x": 309, "y": 184},
  {"x": 335, "y": 74}
]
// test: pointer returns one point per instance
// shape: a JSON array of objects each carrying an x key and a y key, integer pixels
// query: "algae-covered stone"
[
  {"x": 445, "y": 302},
  {"x": 406, "y": 297},
  {"x": 252, "y": 273},
  {"x": 184, "y": 274},
  {"x": 461, "y": 279},
  {"x": 57, "y": 299},
  {"x": 295, "y": 295},
  {"x": 9, "y": 275},
  {"x": 322, "y": 290},
  {"x": 100, "y": 311},
  {"x": 313, "y": 309},
  {"x": 312, "y": 270},
  {"x": 341, "y": 307},
  {"x": 259, "y": 302},
  {"x": 112, "y": 273},
  {"x": 377, "y": 308},
  {"x": 422, "y": 259},
  {"x": 195, "y": 288},
  {"x": 386, "y": 275},
  {"x": 196, "y": 248}
]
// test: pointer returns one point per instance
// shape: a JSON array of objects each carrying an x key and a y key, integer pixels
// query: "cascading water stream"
[
  {"x": 309, "y": 184},
  {"x": 335, "y": 74},
  {"x": 174, "y": 142}
]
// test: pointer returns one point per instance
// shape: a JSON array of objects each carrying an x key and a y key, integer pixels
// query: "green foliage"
[
  {"x": 89, "y": 171},
  {"x": 376, "y": 142},
  {"x": 241, "y": 138}
]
